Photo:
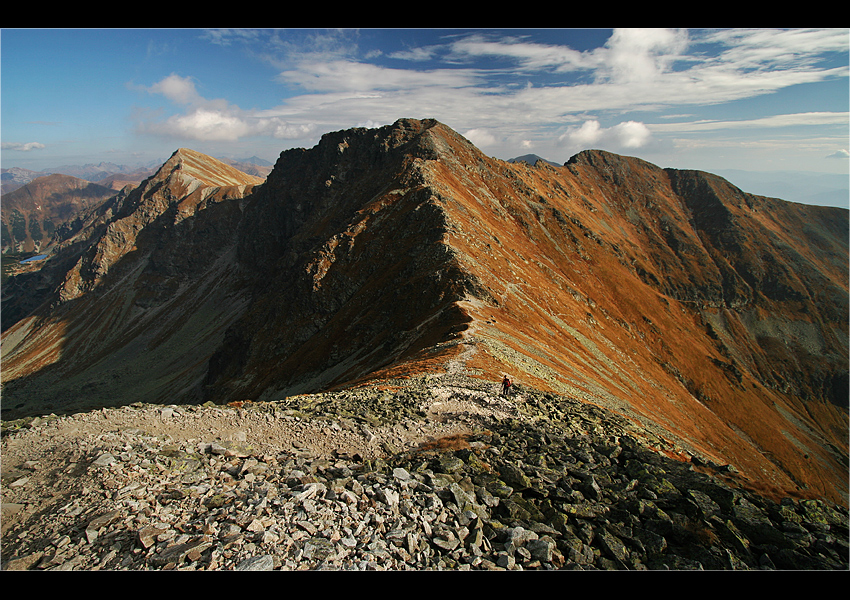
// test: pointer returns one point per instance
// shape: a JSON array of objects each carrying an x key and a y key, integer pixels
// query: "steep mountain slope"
[
  {"x": 32, "y": 212},
  {"x": 135, "y": 298},
  {"x": 669, "y": 296}
]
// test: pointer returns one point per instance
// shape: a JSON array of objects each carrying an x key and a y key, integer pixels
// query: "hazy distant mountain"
[
  {"x": 118, "y": 181},
  {"x": 256, "y": 160},
  {"x": 821, "y": 189},
  {"x": 532, "y": 160},
  {"x": 33, "y": 212},
  {"x": 16, "y": 177},
  {"x": 92, "y": 172},
  {"x": 253, "y": 166}
]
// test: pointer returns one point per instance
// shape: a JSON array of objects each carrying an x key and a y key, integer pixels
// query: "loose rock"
[{"x": 465, "y": 487}]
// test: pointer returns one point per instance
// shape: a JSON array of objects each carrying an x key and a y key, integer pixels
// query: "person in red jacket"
[{"x": 506, "y": 386}]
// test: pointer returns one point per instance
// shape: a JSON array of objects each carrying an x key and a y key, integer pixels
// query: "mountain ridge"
[
  {"x": 404, "y": 250},
  {"x": 32, "y": 212}
]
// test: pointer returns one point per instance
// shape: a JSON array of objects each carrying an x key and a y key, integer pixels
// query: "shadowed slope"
[{"x": 136, "y": 299}]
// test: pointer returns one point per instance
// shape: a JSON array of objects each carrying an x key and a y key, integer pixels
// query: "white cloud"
[
  {"x": 213, "y": 120},
  {"x": 414, "y": 54},
  {"x": 758, "y": 48},
  {"x": 839, "y": 154},
  {"x": 626, "y": 135},
  {"x": 640, "y": 55},
  {"x": 22, "y": 147},
  {"x": 217, "y": 125},
  {"x": 348, "y": 76},
  {"x": 530, "y": 56},
  {"x": 225, "y": 36},
  {"x": 180, "y": 90},
  {"x": 789, "y": 120},
  {"x": 480, "y": 137},
  {"x": 647, "y": 69}
]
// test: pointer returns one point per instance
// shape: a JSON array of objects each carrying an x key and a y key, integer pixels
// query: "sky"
[{"x": 746, "y": 99}]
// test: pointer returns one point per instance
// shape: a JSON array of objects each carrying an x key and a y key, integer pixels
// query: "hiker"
[{"x": 506, "y": 386}]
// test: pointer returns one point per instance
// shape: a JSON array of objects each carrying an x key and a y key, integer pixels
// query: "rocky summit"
[{"x": 707, "y": 324}]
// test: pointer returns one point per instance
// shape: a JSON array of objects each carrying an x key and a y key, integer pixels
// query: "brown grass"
[{"x": 458, "y": 441}]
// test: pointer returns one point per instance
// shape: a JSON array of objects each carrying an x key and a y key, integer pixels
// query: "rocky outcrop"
[{"x": 354, "y": 235}]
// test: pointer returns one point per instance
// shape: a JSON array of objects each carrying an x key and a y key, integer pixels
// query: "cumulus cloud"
[
  {"x": 626, "y": 135},
  {"x": 839, "y": 154},
  {"x": 224, "y": 126},
  {"x": 641, "y": 55},
  {"x": 180, "y": 90},
  {"x": 22, "y": 147},
  {"x": 213, "y": 120},
  {"x": 480, "y": 137}
]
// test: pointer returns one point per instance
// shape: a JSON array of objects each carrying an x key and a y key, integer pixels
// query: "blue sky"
[{"x": 750, "y": 99}]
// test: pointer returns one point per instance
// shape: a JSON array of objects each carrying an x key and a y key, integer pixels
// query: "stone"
[
  {"x": 514, "y": 476},
  {"x": 104, "y": 460},
  {"x": 264, "y": 562}
]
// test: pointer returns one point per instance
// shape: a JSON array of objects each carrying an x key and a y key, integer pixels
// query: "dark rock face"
[
  {"x": 668, "y": 296},
  {"x": 351, "y": 233}
]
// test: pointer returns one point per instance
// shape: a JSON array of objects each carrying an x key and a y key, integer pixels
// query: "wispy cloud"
[
  {"x": 791, "y": 120},
  {"x": 22, "y": 147},
  {"x": 527, "y": 55},
  {"x": 211, "y": 120},
  {"x": 347, "y": 76},
  {"x": 570, "y": 96}
]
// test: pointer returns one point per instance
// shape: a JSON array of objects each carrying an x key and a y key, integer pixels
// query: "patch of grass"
[{"x": 458, "y": 441}]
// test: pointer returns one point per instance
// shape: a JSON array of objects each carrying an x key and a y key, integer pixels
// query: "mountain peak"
[{"x": 208, "y": 170}]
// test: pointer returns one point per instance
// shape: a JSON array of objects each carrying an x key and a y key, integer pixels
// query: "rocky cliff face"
[{"x": 670, "y": 297}]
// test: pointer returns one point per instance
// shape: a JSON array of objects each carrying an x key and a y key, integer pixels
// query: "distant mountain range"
[
  {"x": 532, "y": 160},
  {"x": 33, "y": 212},
  {"x": 820, "y": 189},
  {"x": 107, "y": 174}
]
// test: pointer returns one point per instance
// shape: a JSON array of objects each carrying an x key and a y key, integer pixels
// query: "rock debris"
[{"x": 419, "y": 474}]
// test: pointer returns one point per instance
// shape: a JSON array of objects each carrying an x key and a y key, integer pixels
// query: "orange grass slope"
[{"x": 609, "y": 279}]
